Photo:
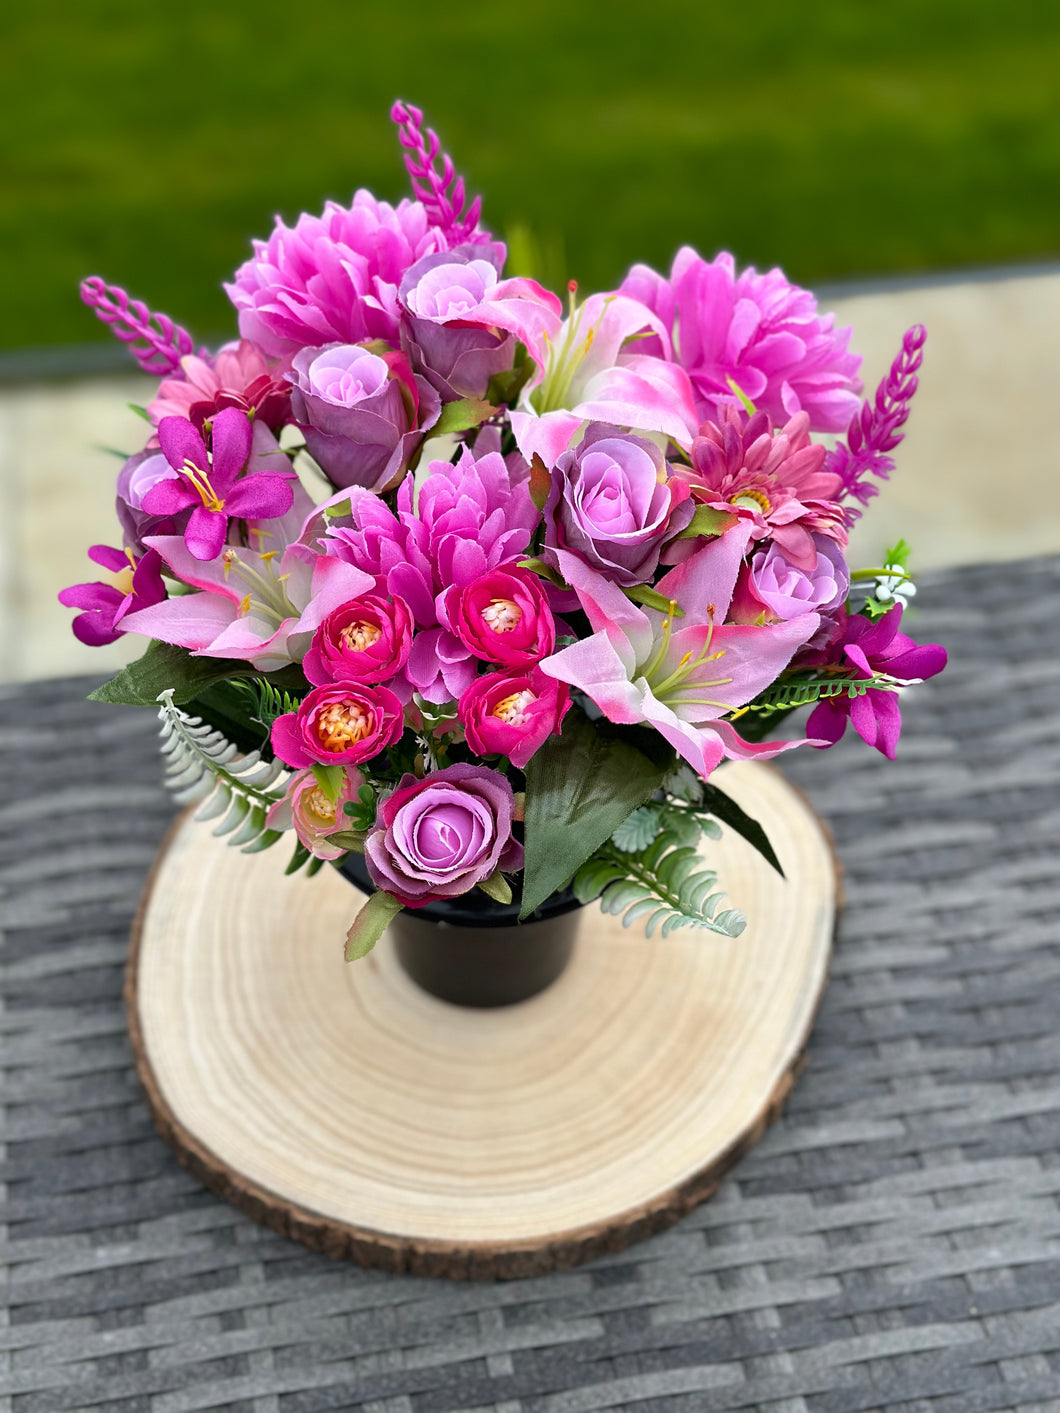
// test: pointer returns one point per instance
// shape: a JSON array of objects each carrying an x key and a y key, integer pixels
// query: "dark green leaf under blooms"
[
  {"x": 580, "y": 787},
  {"x": 165, "y": 666},
  {"x": 370, "y": 924},
  {"x": 725, "y": 808}
]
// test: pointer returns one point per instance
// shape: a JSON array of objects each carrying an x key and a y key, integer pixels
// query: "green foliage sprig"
[{"x": 202, "y": 764}]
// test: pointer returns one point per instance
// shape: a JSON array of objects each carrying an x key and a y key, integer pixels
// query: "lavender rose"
[
  {"x": 363, "y": 414},
  {"x": 611, "y": 504},
  {"x": 788, "y": 591},
  {"x": 439, "y": 296},
  {"x": 439, "y": 837}
]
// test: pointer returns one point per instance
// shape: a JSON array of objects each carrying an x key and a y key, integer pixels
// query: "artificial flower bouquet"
[{"x": 440, "y": 571}]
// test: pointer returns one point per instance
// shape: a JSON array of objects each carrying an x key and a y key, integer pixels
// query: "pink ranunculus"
[
  {"x": 239, "y": 375},
  {"x": 503, "y": 617},
  {"x": 513, "y": 713},
  {"x": 367, "y": 640},
  {"x": 343, "y": 723},
  {"x": 758, "y": 331},
  {"x": 331, "y": 278},
  {"x": 611, "y": 504},
  {"x": 307, "y": 810},
  {"x": 440, "y": 836},
  {"x": 363, "y": 415}
]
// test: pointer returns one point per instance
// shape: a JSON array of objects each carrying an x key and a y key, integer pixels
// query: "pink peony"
[
  {"x": 333, "y": 278},
  {"x": 367, "y": 640},
  {"x": 757, "y": 331},
  {"x": 340, "y": 724},
  {"x": 439, "y": 837},
  {"x": 513, "y": 713}
]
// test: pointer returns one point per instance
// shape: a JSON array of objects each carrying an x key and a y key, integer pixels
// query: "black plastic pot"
[{"x": 473, "y": 951}]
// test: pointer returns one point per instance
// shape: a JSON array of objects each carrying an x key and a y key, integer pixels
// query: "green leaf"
[
  {"x": 462, "y": 416},
  {"x": 651, "y": 598},
  {"x": 165, "y": 665},
  {"x": 497, "y": 887},
  {"x": 331, "y": 779},
  {"x": 352, "y": 840},
  {"x": 725, "y": 808},
  {"x": 637, "y": 832},
  {"x": 140, "y": 411},
  {"x": 580, "y": 786},
  {"x": 706, "y": 521},
  {"x": 506, "y": 387},
  {"x": 370, "y": 924},
  {"x": 543, "y": 571}
]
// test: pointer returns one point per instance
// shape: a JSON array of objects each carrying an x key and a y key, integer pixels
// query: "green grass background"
[{"x": 838, "y": 139}]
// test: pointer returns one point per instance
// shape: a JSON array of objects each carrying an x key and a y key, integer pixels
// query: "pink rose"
[
  {"x": 439, "y": 837},
  {"x": 503, "y": 617},
  {"x": 308, "y": 811},
  {"x": 366, "y": 640},
  {"x": 513, "y": 713},
  {"x": 341, "y": 724}
]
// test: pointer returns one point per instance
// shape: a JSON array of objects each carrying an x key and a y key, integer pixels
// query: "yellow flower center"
[
  {"x": 318, "y": 803},
  {"x": 752, "y": 499},
  {"x": 502, "y": 615},
  {"x": 342, "y": 724},
  {"x": 511, "y": 708},
  {"x": 359, "y": 636},
  {"x": 201, "y": 481}
]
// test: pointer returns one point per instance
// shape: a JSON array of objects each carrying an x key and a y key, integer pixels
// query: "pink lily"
[
  {"x": 260, "y": 603},
  {"x": 589, "y": 374},
  {"x": 680, "y": 675},
  {"x": 212, "y": 483}
]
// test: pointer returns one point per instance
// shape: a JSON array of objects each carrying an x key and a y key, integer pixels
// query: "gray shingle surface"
[{"x": 892, "y": 1244}]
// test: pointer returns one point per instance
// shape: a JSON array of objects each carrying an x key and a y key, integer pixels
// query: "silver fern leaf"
[
  {"x": 663, "y": 883},
  {"x": 237, "y": 790}
]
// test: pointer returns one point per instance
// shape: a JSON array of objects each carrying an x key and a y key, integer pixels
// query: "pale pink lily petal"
[
  {"x": 703, "y": 584},
  {"x": 524, "y": 308},
  {"x": 600, "y": 667},
  {"x": 644, "y": 393},
  {"x": 702, "y": 748},
  {"x": 547, "y": 436},
  {"x": 189, "y": 620}
]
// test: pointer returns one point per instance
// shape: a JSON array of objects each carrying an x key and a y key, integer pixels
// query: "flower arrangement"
[{"x": 442, "y": 573}]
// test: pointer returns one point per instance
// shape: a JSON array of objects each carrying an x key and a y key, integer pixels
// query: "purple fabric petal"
[
  {"x": 170, "y": 497},
  {"x": 260, "y": 497}
]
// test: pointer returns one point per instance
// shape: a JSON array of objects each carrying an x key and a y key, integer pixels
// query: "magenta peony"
[{"x": 758, "y": 331}]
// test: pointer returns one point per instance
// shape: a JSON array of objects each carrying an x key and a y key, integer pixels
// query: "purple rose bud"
[
  {"x": 788, "y": 591},
  {"x": 363, "y": 414},
  {"x": 135, "y": 479},
  {"x": 610, "y": 503},
  {"x": 454, "y": 347},
  {"x": 439, "y": 837}
]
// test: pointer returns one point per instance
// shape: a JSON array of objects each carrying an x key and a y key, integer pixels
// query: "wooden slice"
[{"x": 345, "y": 1107}]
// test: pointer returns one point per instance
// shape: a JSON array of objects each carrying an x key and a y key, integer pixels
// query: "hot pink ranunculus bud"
[
  {"x": 367, "y": 640},
  {"x": 503, "y": 617},
  {"x": 341, "y": 724},
  {"x": 513, "y": 713}
]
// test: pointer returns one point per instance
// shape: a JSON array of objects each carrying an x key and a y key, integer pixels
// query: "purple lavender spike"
[
  {"x": 155, "y": 341},
  {"x": 443, "y": 193},
  {"x": 876, "y": 429}
]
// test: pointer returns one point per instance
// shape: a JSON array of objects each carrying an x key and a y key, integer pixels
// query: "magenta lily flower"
[
  {"x": 679, "y": 674},
  {"x": 211, "y": 485},
  {"x": 870, "y": 648},
  {"x": 137, "y": 584}
]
